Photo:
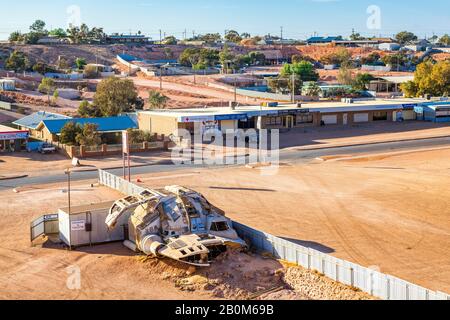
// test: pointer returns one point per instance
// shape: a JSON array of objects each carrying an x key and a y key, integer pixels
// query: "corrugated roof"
[
  {"x": 323, "y": 39},
  {"x": 110, "y": 124},
  {"x": 398, "y": 79},
  {"x": 32, "y": 121}
]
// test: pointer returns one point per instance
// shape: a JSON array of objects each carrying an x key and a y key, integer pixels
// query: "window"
[
  {"x": 274, "y": 121},
  {"x": 219, "y": 226},
  {"x": 172, "y": 210},
  {"x": 304, "y": 118},
  {"x": 380, "y": 116}
]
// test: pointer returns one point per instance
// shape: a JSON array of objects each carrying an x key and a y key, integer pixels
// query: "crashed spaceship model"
[{"x": 175, "y": 223}]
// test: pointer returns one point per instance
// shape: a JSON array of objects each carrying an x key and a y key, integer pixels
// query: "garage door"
[
  {"x": 409, "y": 115},
  {"x": 361, "y": 117},
  {"x": 329, "y": 119}
]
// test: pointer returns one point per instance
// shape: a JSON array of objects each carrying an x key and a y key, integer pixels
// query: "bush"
[{"x": 139, "y": 136}]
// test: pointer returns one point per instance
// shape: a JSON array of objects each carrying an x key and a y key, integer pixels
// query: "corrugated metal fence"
[
  {"x": 118, "y": 183},
  {"x": 366, "y": 279}
]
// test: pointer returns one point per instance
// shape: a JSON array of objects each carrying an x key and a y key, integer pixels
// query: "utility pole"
[
  {"x": 281, "y": 38},
  {"x": 235, "y": 89},
  {"x": 160, "y": 36},
  {"x": 293, "y": 87},
  {"x": 160, "y": 78}
]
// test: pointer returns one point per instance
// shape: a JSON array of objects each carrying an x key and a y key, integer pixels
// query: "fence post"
[
  {"x": 407, "y": 291},
  {"x": 388, "y": 289},
  {"x": 337, "y": 271},
  {"x": 371, "y": 282},
  {"x": 309, "y": 260},
  {"x": 352, "y": 277}
]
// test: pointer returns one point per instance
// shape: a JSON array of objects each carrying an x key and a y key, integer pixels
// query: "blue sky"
[{"x": 299, "y": 18}]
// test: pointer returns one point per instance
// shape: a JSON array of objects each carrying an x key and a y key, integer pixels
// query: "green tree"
[
  {"x": 139, "y": 136},
  {"x": 303, "y": 69},
  {"x": 210, "y": 37},
  {"x": 69, "y": 133},
  {"x": 157, "y": 100},
  {"x": 371, "y": 58},
  {"x": 58, "y": 33},
  {"x": 396, "y": 60},
  {"x": 88, "y": 110},
  {"x": 55, "y": 97},
  {"x": 429, "y": 78},
  {"x": 361, "y": 81},
  {"x": 16, "y": 36},
  {"x": 41, "y": 67},
  {"x": 115, "y": 96},
  {"x": 37, "y": 31},
  {"x": 445, "y": 40},
  {"x": 74, "y": 34},
  {"x": 80, "y": 63},
  {"x": 91, "y": 72},
  {"x": 192, "y": 56},
  {"x": 168, "y": 53},
  {"x": 47, "y": 86},
  {"x": 285, "y": 85},
  {"x": 345, "y": 76},
  {"x": 257, "y": 58},
  {"x": 233, "y": 36},
  {"x": 227, "y": 59},
  {"x": 340, "y": 57},
  {"x": 405, "y": 37},
  {"x": 89, "y": 135},
  {"x": 38, "y": 26},
  {"x": 17, "y": 61},
  {"x": 63, "y": 63},
  {"x": 356, "y": 36},
  {"x": 409, "y": 89},
  {"x": 311, "y": 89},
  {"x": 170, "y": 40}
]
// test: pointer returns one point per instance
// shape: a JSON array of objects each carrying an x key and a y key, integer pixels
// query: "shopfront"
[{"x": 12, "y": 140}]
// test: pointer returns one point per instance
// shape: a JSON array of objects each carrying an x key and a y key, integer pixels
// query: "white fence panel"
[
  {"x": 398, "y": 289},
  {"x": 379, "y": 285},
  {"x": 417, "y": 293}
]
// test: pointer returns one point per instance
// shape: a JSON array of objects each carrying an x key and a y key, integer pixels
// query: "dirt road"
[{"x": 192, "y": 89}]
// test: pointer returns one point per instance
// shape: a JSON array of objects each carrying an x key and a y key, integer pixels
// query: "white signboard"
[
  {"x": 13, "y": 135},
  {"x": 78, "y": 225},
  {"x": 125, "y": 142},
  {"x": 196, "y": 119}
]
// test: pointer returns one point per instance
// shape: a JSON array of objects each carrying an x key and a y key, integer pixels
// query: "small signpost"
[{"x": 126, "y": 155}]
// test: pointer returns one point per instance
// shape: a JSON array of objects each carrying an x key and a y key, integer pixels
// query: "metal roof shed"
[{"x": 33, "y": 120}]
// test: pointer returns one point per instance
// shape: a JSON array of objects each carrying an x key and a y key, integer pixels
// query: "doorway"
[{"x": 289, "y": 122}]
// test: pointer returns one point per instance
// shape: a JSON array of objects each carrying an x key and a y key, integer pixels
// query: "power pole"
[
  {"x": 160, "y": 36},
  {"x": 281, "y": 33},
  {"x": 293, "y": 87}
]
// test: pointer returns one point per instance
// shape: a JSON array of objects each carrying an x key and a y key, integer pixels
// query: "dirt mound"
[
  {"x": 317, "y": 52},
  {"x": 247, "y": 276},
  {"x": 317, "y": 287}
]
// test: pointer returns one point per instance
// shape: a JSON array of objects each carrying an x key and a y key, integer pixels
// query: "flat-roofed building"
[
  {"x": 279, "y": 116},
  {"x": 12, "y": 140}
]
